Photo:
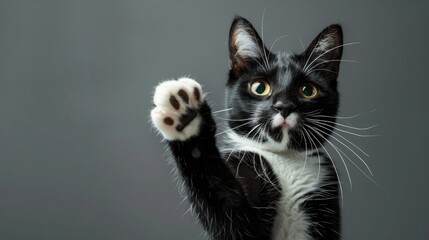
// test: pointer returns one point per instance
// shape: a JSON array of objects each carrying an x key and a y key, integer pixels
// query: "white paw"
[{"x": 176, "y": 108}]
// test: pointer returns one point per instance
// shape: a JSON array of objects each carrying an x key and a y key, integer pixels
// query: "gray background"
[{"x": 78, "y": 158}]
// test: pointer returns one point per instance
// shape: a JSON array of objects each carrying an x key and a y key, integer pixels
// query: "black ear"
[
  {"x": 245, "y": 46},
  {"x": 324, "y": 52}
]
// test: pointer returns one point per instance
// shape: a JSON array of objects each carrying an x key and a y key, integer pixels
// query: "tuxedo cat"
[{"x": 265, "y": 177}]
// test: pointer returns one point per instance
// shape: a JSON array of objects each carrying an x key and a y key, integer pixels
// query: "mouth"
[{"x": 284, "y": 123}]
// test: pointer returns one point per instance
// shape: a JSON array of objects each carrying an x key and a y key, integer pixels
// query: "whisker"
[
  {"x": 275, "y": 41},
  {"x": 223, "y": 110},
  {"x": 318, "y": 132},
  {"x": 245, "y": 136},
  {"x": 354, "y": 145},
  {"x": 238, "y": 165},
  {"x": 312, "y": 113},
  {"x": 234, "y": 120},
  {"x": 302, "y": 44},
  {"x": 348, "y": 132},
  {"x": 343, "y": 125},
  {"x": 259, "y": 133},
  {"x": 346, "y": 117},
  {"x": 265, "y": 68},
  {"x": 263, "y": 43},
  {"x": 264, "y": 129},
  {"x": 333, "y": 164},
  {"x": 321, "y": 69},
  {"x": 363, "y": 172},
  {"x": 231, "y": 129},
  {"x": 311, "y": 54},
  {"x": 264, "y": 171},
  {"x": 317, "y": 151},
  {"x": 229, "y": 155},
  {"x": 305, "y": 160},
  {"x": 327, "y": 51},
  {"x": 253, "y": 129},
  {"x": 345, "y": 145},
  {"x": 335, "y": 60}
]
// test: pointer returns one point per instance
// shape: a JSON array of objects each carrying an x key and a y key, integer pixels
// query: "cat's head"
[{"x": 282, "y": 101}]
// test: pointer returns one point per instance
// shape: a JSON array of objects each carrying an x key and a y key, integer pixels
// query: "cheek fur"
[
  {"x": 292, "y": 120},
  {"x": 277, "y": 120}
]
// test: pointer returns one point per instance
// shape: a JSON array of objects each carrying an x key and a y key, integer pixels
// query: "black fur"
[
  {"x": 228, "y": 193},
  {"x": 229, "y": 206}
]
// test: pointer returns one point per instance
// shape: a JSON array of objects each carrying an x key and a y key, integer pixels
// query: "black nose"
[{"x": 284, "y": 108}]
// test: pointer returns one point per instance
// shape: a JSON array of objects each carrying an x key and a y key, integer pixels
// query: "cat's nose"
[{"x": 284, "y": 108}]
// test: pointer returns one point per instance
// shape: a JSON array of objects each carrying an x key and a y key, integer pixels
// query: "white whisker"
[
  {"x": 302, "y": 44},
  {"x": 363, "y": 172},
  {"x": 234, "y": 120},
  {"x": 348, "y": 132},
  {"x": 223, "y": 110},
  {"x": 321, "y": 69},
  {"x": 327, "y": 61},
  {"x": 312, "y": 113},
  {"x": 265, "y": 68},
  {"x": 263, "y": 42},
  {"x": 231, "y": 129},
  {"x": 275, "y": 41},
  {"x": 311, "y": 53},
  {"x": 345, "y": 145},
  {"x": 317, "y": 151},
  {"x": 346, "y": 126},
  {"x": 305, "y": 160},
  {"x": 354, "y": 145},
  {"x": 318, "y": 132},
  {"x": 335, "y": 168},
  {"x": 327, "y": 51},
  {"x": 346, "y": 117}
]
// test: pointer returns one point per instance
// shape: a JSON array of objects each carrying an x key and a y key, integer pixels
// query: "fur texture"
[{"x": 265, "y": 177}]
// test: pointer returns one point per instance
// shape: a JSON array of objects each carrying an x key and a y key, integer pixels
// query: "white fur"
[
  {"x": 163, "y": 108},
  {"x": 325, "y": 43},
  {"x": 291, "y": 120},
  {"x": 297, "y": 175},
  {"x": 245, "y": 43},
  {"x": 270, "y": 145}
]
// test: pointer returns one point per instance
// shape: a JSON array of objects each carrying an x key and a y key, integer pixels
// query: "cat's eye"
[
  {"x": 308, "y": 91},
  {"x": 260, "y": 88}
]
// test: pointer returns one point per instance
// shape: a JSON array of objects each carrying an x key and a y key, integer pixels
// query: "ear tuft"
[
  {"x": 245, "y": 45},
  {"x": 242, "y": 39},
  {"x": 325, "y": 51},
  {"x": 328, "y": 44},
  {"x": 330, "y": 38}
]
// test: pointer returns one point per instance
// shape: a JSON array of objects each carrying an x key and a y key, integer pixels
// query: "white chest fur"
[{"x": 297, "y": 175}]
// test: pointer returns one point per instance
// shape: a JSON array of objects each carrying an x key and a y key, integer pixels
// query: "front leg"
[{"x": 184, "y": 118}]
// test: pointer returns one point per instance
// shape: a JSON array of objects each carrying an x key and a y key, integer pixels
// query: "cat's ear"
[
  {"x": 325, "y": 52},
  {"x": 245, "y": 45}
]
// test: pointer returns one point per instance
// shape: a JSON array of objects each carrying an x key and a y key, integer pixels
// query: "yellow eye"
[
  {"x": 308, "y": 91},
  {"x": 260, "y": 88}
]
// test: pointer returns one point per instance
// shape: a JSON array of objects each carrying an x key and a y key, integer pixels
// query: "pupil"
[
  {"x": 260, "y": 88},
  {"x": 308, "y": 91}
]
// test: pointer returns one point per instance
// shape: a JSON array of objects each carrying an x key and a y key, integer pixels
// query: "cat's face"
[{"x": 276, "y": 100}]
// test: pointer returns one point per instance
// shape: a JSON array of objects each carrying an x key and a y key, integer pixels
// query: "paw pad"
[{"x": 176, "y": 108}]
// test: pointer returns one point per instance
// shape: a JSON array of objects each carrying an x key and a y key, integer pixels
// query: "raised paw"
[{"x": 176, "y": 108}]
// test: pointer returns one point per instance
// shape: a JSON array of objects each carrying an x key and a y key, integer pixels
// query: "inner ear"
[
  {"x": 324, "y": 52},
  {"x": 245, "y": 45},
  {"x": 327, "y": 44}
]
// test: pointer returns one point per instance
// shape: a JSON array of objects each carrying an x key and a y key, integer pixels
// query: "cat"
[{"x": 266, "y": 178}]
